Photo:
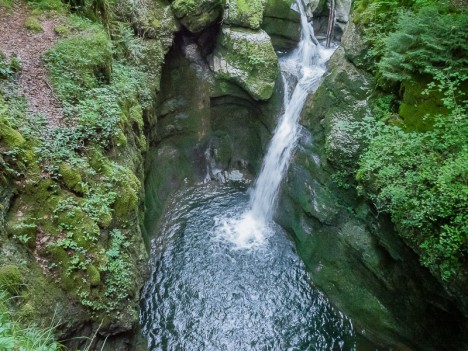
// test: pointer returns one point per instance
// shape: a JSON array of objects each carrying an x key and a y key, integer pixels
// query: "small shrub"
[
  {"x": 16, "y": 336},
  {"x": 33, "y": 24}
]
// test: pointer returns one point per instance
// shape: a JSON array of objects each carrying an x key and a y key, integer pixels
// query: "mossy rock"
[
  {"x": 196, "y": 15},
  {"x": 416, "y": 107},
  {"x": 151, "y": 19},
  {"x": 281, "y": 9},
  {"x": 244, "y": 13},
  {"x": 71, "y": 177},
  {"x": 127, "y": 201},
  {"x": 94, "y": 276},
  {"x": 11, "y": 279},
  {"x": 246, "y": 58},
  {"x": 9, "y": 136}
]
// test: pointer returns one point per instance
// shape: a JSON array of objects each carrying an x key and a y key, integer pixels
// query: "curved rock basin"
[{"x": 205, "y": 293}]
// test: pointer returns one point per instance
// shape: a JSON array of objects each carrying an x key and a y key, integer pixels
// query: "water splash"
[{"x": 301, "y": 71}]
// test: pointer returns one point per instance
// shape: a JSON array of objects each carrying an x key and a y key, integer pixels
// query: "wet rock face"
[
  {"x": 320, "y": 11},
  {"x": 354, "y": 256},
  {"x": 246, "y": 58},
  {"x": 282, "y": 23},
  {"x": 208, "y": 128}
]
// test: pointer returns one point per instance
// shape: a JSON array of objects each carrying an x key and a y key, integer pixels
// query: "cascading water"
[
  {"x": 301, "y": 71},
  {"x": 205, "y": 293}
]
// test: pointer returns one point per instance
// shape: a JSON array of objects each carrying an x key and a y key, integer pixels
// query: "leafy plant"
[
  {"x": 424, "y": 40},
  {"x": 16, "y": 336},
  {"x": 421, "y": 179}
]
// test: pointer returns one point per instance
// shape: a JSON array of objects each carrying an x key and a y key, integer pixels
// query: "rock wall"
[
  {"x": 71, "y": 244},
  {"x": 353, "y": 254},
  {"x": 217, "y": 106}
]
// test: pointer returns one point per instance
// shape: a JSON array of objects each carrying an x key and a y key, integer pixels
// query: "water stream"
[
  {"x": 301, "y": 71},
  {"x": 224, "y": 275},
  {"x": 206, "y": 294}
]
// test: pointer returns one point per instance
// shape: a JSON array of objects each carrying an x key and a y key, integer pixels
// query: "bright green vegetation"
[
  {"x": 415, "y": 165},
  {"x": 33, "y": 24},
  {"x": 48, "y": 5},
  {"x": 15, "y": 336},
  {"x": 78, "y": 184},
  {"x": 421, "y": 179},
  {"x": 245, "y": 13}
]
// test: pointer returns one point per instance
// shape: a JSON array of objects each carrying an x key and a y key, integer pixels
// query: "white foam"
[{"x": 245, "y": 231}]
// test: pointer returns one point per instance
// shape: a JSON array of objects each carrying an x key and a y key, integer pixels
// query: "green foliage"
[
  {"x": 421, "y": 179},
  {"x": 423, "y": 41},
  {"x": 80, "y": 62},
  {"x": 48, "y": 5},
  {"x": 6, "y": 4},
  {"x": 10, "y": 279},
  {"x": 15, "y": 336},
  {"x": 7, "y": 69},
  {"x": 33, "y": 24}
]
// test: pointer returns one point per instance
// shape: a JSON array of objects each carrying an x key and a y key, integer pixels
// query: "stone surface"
[
  {"x": 354, "y": 46},
  {"x": 244, "y": 13},
  {"x": 320, "y": 12},
  {"x": 246, "y": 58},
  {"x": 342, "y": 102},
  {"x": 152, "y": 19},
  {"x": 282, "y": 23},
  {"x": 208, "y": 129},
  {"x": 354, "y": 256},
  {"x": 196, "y": 15}
]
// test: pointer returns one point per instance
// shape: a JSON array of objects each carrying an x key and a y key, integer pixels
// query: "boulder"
[
  {"x": 282, "y": 23},
  {"x": 244, "y": 13},
  {"x": 196, "y": 15},
  {"x": 246, "y": 58}
]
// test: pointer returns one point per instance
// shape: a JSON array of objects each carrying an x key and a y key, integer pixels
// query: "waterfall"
[{"x": 301, "y": 70}]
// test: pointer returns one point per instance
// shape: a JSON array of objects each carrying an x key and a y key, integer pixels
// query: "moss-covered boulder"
[
  {"x": 196, "y": 15},
  {"x": 282, "y": 23},
  {"x": 415, "y": 106},
  {"x": 11, "y": 279},
  {"x": 244, "y": 13},
  {"x": 150, "y": 19},
  {"x": 71, "y": 177},
  {"x": 342, "y": 103},
  {"x": 246, "y": 58}
]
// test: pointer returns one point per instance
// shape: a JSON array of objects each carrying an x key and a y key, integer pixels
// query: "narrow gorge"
[{"x": 200, "y": 177}]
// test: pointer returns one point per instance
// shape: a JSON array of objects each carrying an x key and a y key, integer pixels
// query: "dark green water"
[{"x": 204, "y": 293}]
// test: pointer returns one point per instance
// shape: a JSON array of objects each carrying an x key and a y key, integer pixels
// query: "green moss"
[
  {"x": 126, "y": 202},
  {"x": 197, "y": 15},
  {"x": 9, "y": 136},
  {"x": 94, "y": 276},
  {"x": 246, "y": 58},
  {"x": 71, "y": 177},
  {"x": 11, "y": 279},
  {"x": 61, "y": 30},
  {"x": 6, "y": 4},
  {"x": 80, "y": 62},
  {"x": 245, "y": 13},
  {"x": 418, "y": 110},
  {"x": 48, "y": 5},
  {"x": 33, "y": 24},
  {"x": 120, "y": 139}
]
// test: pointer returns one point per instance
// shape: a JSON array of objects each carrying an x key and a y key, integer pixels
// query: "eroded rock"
[{"x": 246, "y": 58}]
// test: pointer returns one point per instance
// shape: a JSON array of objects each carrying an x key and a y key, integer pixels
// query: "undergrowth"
[
  {"x": 18, "y": 335},
  {"x": 78, "y": 191},
  {"x": 419, "y": 175}
]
